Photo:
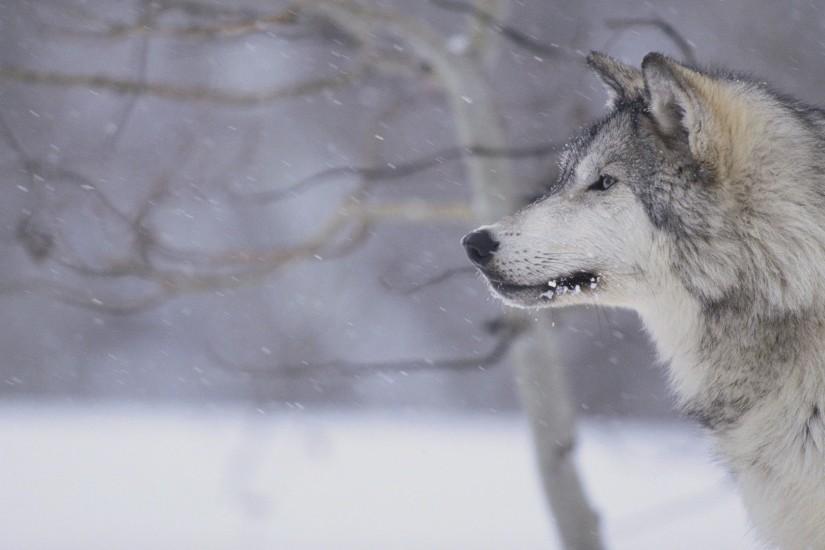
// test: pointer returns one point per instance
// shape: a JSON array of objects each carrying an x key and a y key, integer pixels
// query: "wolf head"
[{"x": 702, "y": 182}]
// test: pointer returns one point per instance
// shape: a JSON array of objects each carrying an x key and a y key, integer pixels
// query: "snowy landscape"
[
  {"x": 169, "y": 478},
  {"x": 236, "y": 311}
]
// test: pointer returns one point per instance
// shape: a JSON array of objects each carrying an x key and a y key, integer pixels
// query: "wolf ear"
[
  {"x": 622, "y": 82},
  {"x": 675, "y": 96}
]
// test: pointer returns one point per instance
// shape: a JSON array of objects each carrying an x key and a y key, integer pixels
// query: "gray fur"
[{"x": 715, "y": 234}]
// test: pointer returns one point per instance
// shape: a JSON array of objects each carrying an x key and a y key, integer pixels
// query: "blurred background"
[{"x": 236, "y": 312}]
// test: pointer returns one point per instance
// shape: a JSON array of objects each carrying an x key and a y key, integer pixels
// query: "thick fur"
[{"x": 714, "y": 231}]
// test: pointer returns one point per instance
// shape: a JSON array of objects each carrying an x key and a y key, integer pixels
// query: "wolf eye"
[{"x": 604, "y": 183}]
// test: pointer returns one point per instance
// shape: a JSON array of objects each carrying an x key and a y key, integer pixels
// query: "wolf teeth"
[{"x": 564, "y": 285}]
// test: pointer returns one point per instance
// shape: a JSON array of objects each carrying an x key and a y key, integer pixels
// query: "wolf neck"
[
  {"x": 674, "y": 321},
  {"x": 721, "y": 364}
]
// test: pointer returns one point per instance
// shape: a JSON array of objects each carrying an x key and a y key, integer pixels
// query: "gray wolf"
[{"x": 699, "y": 201}]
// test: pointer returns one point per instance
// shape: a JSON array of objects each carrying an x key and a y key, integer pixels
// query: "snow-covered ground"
[{"x": 127, "y": 477}]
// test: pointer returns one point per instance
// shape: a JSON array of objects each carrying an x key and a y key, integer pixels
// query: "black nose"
[{"x": 480, "y": 246}]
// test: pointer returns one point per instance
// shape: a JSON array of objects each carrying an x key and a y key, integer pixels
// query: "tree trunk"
[
  {"x": 546, "y": 397},
  {"x": 493, "y": 195}
]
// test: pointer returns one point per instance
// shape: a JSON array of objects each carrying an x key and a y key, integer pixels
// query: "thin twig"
[
  {"x": 506, "y": 333},
  {"x": 143, "y": 50},
  {"x": 74, "y": 297},
  {"x": 517, "y": 37},
  {"x": 393, "y": 171},
  {"x": 444, "y": 276},
  {"x": 685, "y": 46}
]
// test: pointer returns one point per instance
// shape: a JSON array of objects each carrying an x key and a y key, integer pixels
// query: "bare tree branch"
[
  {"x": 142, "y": 51},
  {"x": 195, "y": 8},
  {"x": 77, "y": 298},
  {"x": 179, "y": 93},
  {"x": 437, "y": 279},
  {"x": 505, "y": 331},
  {"x": 235, "y": 268},
  {"x": 324, "y": 239},
  {"x": 395, "y": 171},
  {"x": 517, "y": 37},
  {"x": 34, "y": 238},
  {"x": 238, "y": 27},
  {"x": 201, "y": 8},
  {"x": 686, "y": 47}
]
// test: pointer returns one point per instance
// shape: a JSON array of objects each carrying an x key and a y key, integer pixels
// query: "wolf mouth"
[{"x": 574, "y": 283}]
